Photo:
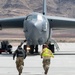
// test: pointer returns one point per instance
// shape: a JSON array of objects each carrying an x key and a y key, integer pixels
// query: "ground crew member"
[
  {"x": 20, "y": 56},
  {"x": 46, "y": 55}
]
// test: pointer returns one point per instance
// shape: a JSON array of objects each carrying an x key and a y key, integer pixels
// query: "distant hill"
[{"x": 10, "y": 8}]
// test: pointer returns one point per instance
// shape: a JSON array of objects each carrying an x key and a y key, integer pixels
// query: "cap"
[{"x": 45, "y": 45}]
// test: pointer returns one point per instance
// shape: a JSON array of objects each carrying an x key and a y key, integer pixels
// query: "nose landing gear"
[{"x": 31, "y": 49}]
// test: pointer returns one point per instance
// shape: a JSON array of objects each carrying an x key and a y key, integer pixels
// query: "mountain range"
[{"x": 11, "y": 8}]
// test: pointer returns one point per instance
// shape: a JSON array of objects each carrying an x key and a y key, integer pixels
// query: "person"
[
  {"x": 20, "y": 56},
  {"x": 46, "y": 54}
]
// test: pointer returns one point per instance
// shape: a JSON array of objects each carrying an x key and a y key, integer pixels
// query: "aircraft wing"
[
  {"x": 61, "y": 22},
  {"x": 15, "y": 22}
]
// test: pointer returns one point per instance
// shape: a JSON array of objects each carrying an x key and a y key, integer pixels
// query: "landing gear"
[
  {"x": 51, "y": 47},
  {"x": 36, "y": 49},
  {"x": 32, "y": 49}
]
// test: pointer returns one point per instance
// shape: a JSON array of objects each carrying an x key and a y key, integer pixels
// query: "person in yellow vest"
[{"x": 46, "y": 55}]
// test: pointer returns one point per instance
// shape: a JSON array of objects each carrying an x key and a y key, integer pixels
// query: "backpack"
[{"x": 21, "y": 53}]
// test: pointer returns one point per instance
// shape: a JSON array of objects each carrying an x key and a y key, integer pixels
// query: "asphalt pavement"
[{"x": 61, "y": 64}]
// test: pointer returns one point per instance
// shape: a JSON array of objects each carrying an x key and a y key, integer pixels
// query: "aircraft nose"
[{"x": 31, "y": 32}]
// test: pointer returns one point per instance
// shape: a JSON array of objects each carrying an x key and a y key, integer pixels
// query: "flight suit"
[
  {"x": 19, "y": 64},
  {"x": 46, "y": 55},
  {"x": 21, "y": 55}
]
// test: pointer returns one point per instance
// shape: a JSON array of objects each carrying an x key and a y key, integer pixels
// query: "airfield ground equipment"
[{"x": 5, "y": 47}]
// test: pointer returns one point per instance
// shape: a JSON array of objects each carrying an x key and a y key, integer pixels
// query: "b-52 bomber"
[{"x": 37, "y": 27}]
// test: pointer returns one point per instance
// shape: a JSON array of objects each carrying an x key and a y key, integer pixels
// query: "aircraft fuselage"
[{"x": 36, "y": 29}]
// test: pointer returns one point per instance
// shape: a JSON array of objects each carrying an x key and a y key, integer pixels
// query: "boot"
[
  {"x": 46, "y": 71},
  {"x": 19, "y": 73},
  {"x": 20, "y": 70}
]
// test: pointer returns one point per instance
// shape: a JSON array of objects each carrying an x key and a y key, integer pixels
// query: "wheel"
[
  {"x": 10, "y": 52},
  {"x": 0, "y": 52},
  {"x": 51, "y": 47},
  {"x": 31, "y": 51},
  {"x": 36, "y": 49}
]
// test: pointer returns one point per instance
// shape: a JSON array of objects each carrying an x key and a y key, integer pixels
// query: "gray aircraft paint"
[{"x": 36, "y": 30}]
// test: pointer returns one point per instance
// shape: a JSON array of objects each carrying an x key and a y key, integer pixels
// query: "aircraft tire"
[
  {"x": 10, "y": 52},
  {"x": 36, "y": 49},
  {"x": 51, "y": 47},
  {"x": 31, "y": 51}
]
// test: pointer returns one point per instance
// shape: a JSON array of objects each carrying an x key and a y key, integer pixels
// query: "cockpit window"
[{"x": 34, "y": 17}]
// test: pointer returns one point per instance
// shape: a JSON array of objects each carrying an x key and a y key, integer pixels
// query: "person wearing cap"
[
  {"x": 46, "y": 54},
  {"x": 20, "y": 56}
]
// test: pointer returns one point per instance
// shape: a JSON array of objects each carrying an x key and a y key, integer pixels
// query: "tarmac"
[{"x": 60, "y": 64}]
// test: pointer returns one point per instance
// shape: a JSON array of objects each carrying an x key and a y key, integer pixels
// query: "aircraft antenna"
[{"x": 44, "y": 7}]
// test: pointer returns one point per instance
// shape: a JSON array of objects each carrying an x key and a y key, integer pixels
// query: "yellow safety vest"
[{"x": 47, "y": 53}]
